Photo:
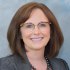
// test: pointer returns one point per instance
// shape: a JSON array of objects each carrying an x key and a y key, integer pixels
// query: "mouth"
[{"x": 37, "y": 39}]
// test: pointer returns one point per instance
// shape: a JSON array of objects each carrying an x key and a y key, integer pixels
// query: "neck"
[
  {"x": 35, "y": 55},
  {"x": 37, "y": 60}
]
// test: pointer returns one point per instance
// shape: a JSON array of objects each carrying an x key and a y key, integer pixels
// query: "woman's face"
[{"x": 35, "y": 31}]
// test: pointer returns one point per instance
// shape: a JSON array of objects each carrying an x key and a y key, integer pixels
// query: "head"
[{"x": 18, "y": 37}]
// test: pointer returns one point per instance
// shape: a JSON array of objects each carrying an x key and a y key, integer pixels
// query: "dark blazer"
[{"x": 14, "y": 62}]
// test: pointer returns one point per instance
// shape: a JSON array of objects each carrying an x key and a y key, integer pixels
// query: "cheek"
[
  {"x": 25, "y": 33},
  {"x": 46, "y": 32}
]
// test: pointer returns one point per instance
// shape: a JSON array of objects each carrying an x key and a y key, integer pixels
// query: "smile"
[{"x": 37, "y": 39}]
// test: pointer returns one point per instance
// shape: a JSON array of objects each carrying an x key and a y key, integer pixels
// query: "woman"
[{"x": 35, "y": 38}]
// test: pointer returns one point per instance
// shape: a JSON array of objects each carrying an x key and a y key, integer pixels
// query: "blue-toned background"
[{"x": 60, "y": 8}]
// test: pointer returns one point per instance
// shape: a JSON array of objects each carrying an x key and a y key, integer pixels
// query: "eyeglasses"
[{"x": 31, "y": 26}]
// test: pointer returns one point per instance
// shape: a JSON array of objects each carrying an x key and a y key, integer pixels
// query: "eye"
[
  {"x": 43, "y": 24},
  {"x": 28, "y": 25}
]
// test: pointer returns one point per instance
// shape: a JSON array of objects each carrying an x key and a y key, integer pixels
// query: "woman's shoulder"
[
  {"x": 13, "y": 62},
  {"x": 6, "y": 63},
  {"x": 59, "y": 64},
  {"x": 7, "y": 59}
]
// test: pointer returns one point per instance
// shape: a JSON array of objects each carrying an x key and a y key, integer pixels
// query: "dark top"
[{"x": 15, "y": 62}]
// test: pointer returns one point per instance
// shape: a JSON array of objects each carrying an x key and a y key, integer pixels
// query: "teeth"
[{"x": 37, "y": 39}]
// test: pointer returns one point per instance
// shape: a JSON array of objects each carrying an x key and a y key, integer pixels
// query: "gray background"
[{"x": 60, "y": 8}]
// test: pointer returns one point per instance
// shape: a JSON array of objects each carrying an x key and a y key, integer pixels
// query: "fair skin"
[{"x": 36, "y": 39}]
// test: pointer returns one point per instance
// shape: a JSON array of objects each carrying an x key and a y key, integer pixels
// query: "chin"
[{"x": 38, "y": 47}]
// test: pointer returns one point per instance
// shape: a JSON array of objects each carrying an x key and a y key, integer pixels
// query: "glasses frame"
[{"x": 33, "y": 26}]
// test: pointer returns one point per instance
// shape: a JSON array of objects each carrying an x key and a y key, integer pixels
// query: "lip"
[{"x": 36, "y": 39}]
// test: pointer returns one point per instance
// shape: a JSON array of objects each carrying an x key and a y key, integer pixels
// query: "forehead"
[{"x": 37, "y": 15}]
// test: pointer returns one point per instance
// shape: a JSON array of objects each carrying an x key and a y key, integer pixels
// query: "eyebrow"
[
  {"x": 44, "y": 22},
  {"x": 39, "y": 22},
  {"x": 32, "y": 23}
]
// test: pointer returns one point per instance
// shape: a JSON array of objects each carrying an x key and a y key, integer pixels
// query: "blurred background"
[{"x": 61, "y": 10}]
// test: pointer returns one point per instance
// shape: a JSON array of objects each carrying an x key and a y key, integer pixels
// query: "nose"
[{"x": 36, "y": 31}]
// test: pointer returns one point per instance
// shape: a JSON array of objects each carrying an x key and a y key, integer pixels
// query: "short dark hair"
[{"x": 23, "y": 13}]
